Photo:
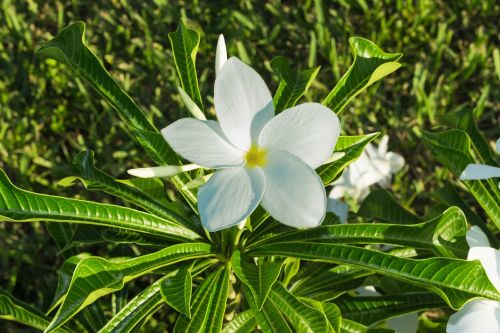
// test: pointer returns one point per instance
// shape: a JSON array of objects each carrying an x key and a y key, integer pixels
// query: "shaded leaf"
[
  {"x": 369, "y": 310},
  {"x": 208, "y": 306},
  {"x": 381, "y": 205},
  {"x": 303, "y": 317},
  {"x": 95, "y": 276},
  {"x": 176, "y": 290},
  {"x": 292, "y": 84},
  {"x": 258, "y": 277},
  {"x": 15, "y": 310}
]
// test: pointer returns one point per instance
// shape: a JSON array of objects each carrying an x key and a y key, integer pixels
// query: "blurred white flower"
[
  {"x": 479, "y": 315},
  {"x": 481, "y": 171},
  {"x": 375, "y": 166}
]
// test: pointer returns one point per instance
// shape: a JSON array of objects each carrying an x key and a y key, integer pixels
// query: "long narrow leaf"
[
  {"x": 95, "y": 276},
  {"x": 370, "y": 65},
  {"x": 12, "y": 309},
  {"x": 185, "y": 44},
  {"x": 209, "y": 305},
  {"x": 445, "y": 234},
  {"x": 258, "y": 277},
  {"x": 455, "y": 280},
  {"x": 292, "y": 84},
  {"x": 22, "y": 206},
  {"x": 368, "y": 310}
]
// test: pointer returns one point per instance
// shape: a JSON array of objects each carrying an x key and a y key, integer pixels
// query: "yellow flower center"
[{"x": 255, "y": 157}]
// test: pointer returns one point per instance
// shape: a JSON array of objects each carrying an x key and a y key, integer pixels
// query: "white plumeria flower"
[
  {"x": 479, "y": 315},
  {"x": 258, "y": 158},
  {"x": 374, "y": 166},
  {"x": 481, "y": 171}
]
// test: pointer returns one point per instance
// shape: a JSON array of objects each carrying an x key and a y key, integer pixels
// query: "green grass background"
[{"x": 451, "y": 61}]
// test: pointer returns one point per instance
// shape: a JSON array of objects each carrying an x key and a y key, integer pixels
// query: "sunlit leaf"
[
  {"x": 17, "y": 205},
  {"x": 455, "y": 280},
  {"x": 370, "y": 65},
  {"x": 95, "y": 276}
]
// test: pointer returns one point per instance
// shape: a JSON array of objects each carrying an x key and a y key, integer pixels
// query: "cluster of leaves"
[{"x": 268, "y": 276}]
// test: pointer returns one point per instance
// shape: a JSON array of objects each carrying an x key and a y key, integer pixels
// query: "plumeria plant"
[{"x": 246, "y": 243}]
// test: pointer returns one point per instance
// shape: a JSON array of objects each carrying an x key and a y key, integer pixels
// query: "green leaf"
[
  {"x": 95, "y": 179},
  {"x": 244, "y": 322},
  {"x": 15, "y": 310},
  {"x": 95, "y": 276},
  {"x": 326, "y": 282},
  {"x": 333, "y": 314},
  {"x": 258, "y": 277},
  {"x": 381, "y": 205},
  {"x": 69, "y": 48},
  {"x": 464, "y": 120},
  {"x": 65, "y": 273},
  {"x": 455, "y": 280},
  {"x": 369, "y": 310},
  {"x": 292, "y": 84},
  {"x": 349, "y": 326},
  {"x": 452, "y": 149},
  {"x": 269, "y": 317},
  {"x": 449, "y": 196},
  {"x": 303, "y": 317},
  {"x": 352, "y": 146},
  {"x": 370, "y": 65},
  {"x": 185, "y": 44},
  {"x": 141, "y": 306},
  {"x": 445, "y": 234},
  {"x": 146, "y": 303},
  {"x": 209, "y": 305},
  {"x": 22, "y": 206},
  {"x": 176, "y": 290}
]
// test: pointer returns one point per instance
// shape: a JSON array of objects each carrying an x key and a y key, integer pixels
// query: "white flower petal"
[
  {"x": 490, "y": 259},
  {"x": 202, "y": 142},
  {"x": 396, "y": 161},
  {"x": 339, "y": 208},
  {"x": 383, "y": 146},
  {"x": 230, "y": 196},
  {"x": 191, "y": 105},
  {"x": 407, "y": 323},
  {"x": 220, "y": 54},
  {"x": 498, "y": 146},
  {"x": 479, "y": 171},
  {"x": 162, "y": 171},
  {"x": 365, "y": 172},
  {"x": 367, "y": 291},
  {"x": 476, "y": 316},
  {"x": 476, "y": 237},
  {"x": 294, "y": 195},
  {"x": 308, "y": 131},
  {"x": 243, "y": 103}
]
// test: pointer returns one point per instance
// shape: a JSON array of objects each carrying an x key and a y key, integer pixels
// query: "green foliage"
[
  {"x": 370, "y": 65},
  {"x": 145, "y": 67}
]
